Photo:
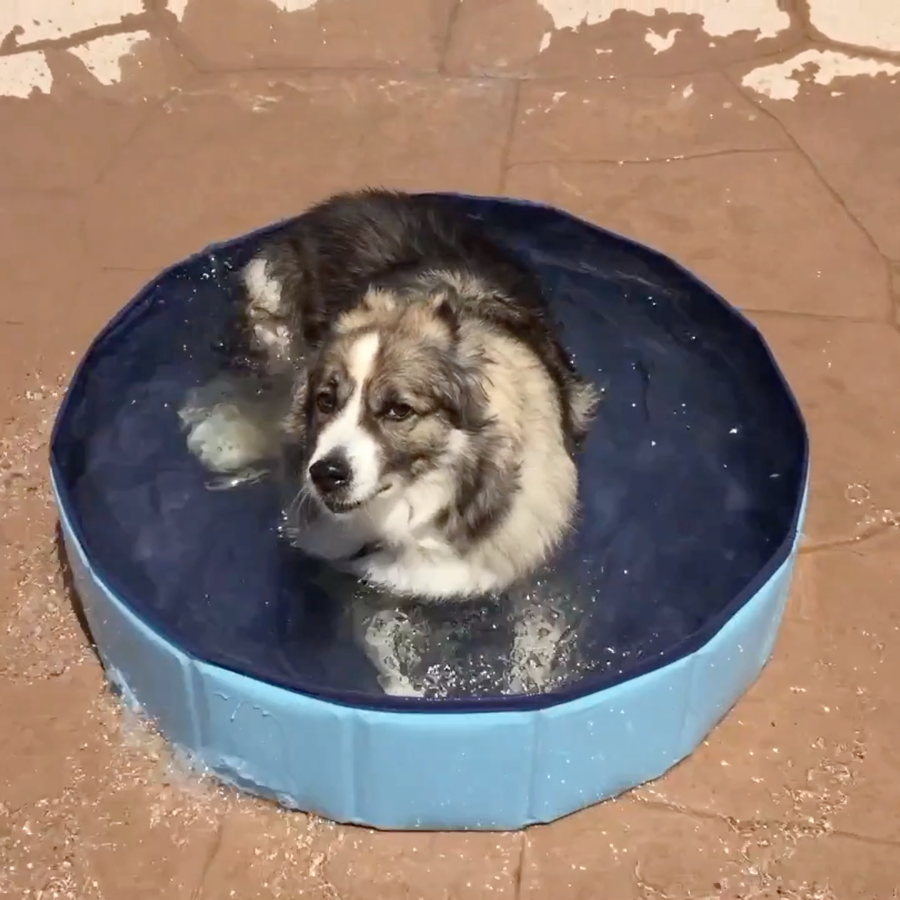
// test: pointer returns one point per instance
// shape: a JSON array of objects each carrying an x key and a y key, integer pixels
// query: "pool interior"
[{"x": 691, "y": 484}]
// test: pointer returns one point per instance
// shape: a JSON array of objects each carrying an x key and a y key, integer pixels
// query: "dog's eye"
[
  {"x": 326, "y": 402},
  {"x": 397, "y": 411}
]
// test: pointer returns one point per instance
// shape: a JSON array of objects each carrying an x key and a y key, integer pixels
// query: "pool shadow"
[{"x": 62, "y": 558}]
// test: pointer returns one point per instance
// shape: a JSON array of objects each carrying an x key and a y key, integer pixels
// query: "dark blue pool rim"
[{"x": 586, "y": 686}]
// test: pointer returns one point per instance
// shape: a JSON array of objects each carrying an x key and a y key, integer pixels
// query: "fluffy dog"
[{"x": 402, "y": 377}]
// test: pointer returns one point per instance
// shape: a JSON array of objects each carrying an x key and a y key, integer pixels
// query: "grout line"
[
  {"x": 151, "y": 109},
  {"x": 814, "y": 316},
  {"x": 508, "y": 139},
  {"x": 143, "y": 21},
  {"x": 307, "y": 71},
  {"x": 825, "y": 43},
  {"x": 801, "y": 13},
  {"x": 677, "y": 158},
  {"x": 200, "y": 888},
  {"x": 858, "y": 540},
  {"x": 798, "y": 10},
  {"x": 155, "y": 7},
  {"x": 448, "y": 36},
  {"x": 734, "y": 822},
  {"x": 834, "y": 194},
  {"x": 519, "y": 881}
]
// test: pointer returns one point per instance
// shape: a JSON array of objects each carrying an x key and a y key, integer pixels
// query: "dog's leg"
[
  {"x": 267, "y": 311},
  {"x": 387, "y": 636},
  {"x": 232, "y": 435},
  {"x": 534, "y": 658},
  {"x": 233, "y": 424}
]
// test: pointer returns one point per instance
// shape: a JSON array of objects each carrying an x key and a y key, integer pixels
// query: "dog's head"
[{"x": 393, "y": 394}]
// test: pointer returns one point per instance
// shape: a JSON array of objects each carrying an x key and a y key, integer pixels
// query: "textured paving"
[{"x": 752, "y": 141}]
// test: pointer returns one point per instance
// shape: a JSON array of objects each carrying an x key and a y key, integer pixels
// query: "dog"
[{"x": 398, "y": 370}]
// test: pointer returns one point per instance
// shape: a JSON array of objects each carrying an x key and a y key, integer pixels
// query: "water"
[{"x": 690, "y": 483}]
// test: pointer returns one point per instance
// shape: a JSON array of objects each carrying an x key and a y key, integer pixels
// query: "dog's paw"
[
  {"x": 223, "y": 440},
  {"x": 534, "y": 657},
  {"x": 264, "y": 291},
  {"x": 389, "y": 645},
  {"x": 266, "y": 309},
  {"x": 395, "y": 685},
  {"x": 324, "y": 537}
]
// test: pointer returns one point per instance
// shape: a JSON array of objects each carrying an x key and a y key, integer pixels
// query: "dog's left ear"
[
  {"x": 378, "y": 300},
  {"x": 444, "y": 306}
]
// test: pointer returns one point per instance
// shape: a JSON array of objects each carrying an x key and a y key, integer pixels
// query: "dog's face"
[{"x": 389, "y": 398}]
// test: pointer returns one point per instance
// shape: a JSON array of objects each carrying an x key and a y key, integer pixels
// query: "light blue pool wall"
[{"x": 420, "y": 770}]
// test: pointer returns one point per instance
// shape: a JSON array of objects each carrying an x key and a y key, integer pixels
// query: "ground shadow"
[{"x": 71, "y": 592}]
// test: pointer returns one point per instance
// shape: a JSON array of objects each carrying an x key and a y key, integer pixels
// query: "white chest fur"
[{"x": 413, "y": 556}]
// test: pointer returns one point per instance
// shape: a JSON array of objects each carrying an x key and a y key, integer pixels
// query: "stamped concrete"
[{"x": 756, "y": 140}]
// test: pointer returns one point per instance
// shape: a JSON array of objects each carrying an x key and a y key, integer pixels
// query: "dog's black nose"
[{"x": 330, "y": 473}]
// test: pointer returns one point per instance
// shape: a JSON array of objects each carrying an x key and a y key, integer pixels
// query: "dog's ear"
[
  {"x": 379, "y": 300},
  {"x": 444, "y": 303},
  {"x": 463, "y": 395}
]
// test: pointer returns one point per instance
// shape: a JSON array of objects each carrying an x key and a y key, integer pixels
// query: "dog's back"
[
  {"x": 413, "y": 244},
  {"x": 339, "y": 248}
]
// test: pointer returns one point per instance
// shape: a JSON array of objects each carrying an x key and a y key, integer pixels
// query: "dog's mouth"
[
  {"x": 342, "y": 507},
  {"x": 338, "y": 507}
]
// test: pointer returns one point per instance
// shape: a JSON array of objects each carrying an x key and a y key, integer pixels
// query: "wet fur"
[{"x": 456, "y": 326}]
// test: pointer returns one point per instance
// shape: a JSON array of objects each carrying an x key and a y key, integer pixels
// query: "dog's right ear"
[{"x": 463, "y": 395}]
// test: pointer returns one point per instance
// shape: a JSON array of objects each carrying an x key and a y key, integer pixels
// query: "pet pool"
[{"x": 693, "y": 491}]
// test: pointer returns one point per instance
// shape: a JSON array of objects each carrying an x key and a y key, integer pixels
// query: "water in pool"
[{"x": 690, "y": 491}]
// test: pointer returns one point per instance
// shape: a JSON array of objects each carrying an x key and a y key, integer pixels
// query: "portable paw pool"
[{"x": 694, "y": 484}]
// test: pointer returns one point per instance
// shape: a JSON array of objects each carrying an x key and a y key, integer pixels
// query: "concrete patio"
[{"x": 757, "y": 141}]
